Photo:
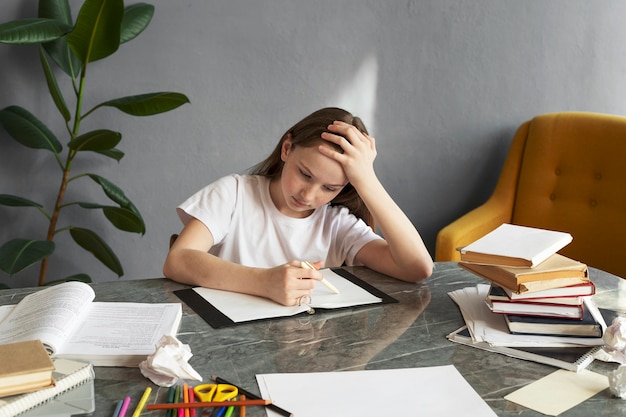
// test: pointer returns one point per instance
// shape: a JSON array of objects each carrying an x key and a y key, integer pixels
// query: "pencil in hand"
[{"x": 308, "y": 265}]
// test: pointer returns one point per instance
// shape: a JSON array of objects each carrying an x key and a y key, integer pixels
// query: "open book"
[
  {"x": 71, "y": 325},
  {"x": 227, "y": 308}
]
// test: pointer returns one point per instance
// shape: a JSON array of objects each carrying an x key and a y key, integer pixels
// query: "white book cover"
[{"x": 526, "y": 246}]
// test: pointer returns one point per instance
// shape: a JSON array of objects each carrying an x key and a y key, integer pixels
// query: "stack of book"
[
  {"x": 537, "y": 290},
  {"x": 538, "y": 305}
]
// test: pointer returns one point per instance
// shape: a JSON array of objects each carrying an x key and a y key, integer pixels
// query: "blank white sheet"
[
  {"x": 243, "y": 307},
  {"x": 432, "y": 391}
]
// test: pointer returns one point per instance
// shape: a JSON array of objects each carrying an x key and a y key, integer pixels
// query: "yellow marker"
[{"x": 142, "y": 402}]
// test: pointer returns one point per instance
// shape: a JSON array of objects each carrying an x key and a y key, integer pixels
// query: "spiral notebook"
[
  {"x": 72, "y": 394},
  {"x": 572, "y": 358}
]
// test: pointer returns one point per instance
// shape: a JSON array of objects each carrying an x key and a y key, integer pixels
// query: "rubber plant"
[{"x": 68, "y": 48}]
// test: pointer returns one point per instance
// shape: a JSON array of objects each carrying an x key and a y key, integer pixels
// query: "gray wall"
[{"x": 442, "y": 84}]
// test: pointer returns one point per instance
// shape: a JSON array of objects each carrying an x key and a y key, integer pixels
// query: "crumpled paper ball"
[
  {"x": 617, "y": 382},
  {"x": 169, "y": 363},
  {"x": 615, "y": 340}
]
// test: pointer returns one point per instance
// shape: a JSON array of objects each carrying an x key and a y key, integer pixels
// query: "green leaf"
[
  {"x": 18, "y": 254},
  {"x": 58, "y": 49},
  {"x": 92, "y": 243},
  {"x": 96, "y": 34},
  {"x": 25, "y": 128},
  {"x": 117, "y": 195},
  {"x": 62, "y": 55},
  {"x": 77, "y": 277},
  {"x": 111, "y": 190},
  {"x": 112, "y": 153},
  {"x": 55, "y": 9},
  {"x": 31, "y": 31},
  {"x": 125, "y": 219},
  {"x": 53, "y": 87},
  {"x": 147, "y": 104},
  {"x": 122, "y": 218},
  {"x": 136, "y": 19},
  {"x": 96, "y": 140},
  {"x": 15, "y": 201}
]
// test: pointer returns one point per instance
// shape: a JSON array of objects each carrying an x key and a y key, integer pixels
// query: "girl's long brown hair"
[{"x": 307, "y": 132}]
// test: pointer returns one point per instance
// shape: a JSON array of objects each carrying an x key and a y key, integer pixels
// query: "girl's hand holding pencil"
[{"x": 308, "y": 265}]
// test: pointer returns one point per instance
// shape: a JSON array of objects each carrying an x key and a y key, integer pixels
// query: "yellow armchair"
[{"x": 564, "y": 171}]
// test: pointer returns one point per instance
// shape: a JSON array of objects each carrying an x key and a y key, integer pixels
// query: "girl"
[{"x": 312, "y": 200}]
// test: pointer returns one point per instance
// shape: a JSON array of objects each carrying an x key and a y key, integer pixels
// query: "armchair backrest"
[{"x": 573, "y": 178}]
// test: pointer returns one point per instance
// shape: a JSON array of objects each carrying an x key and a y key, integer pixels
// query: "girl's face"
[{"x": 308, "y": 180}]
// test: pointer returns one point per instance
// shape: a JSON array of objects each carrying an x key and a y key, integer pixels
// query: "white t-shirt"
[{"x": 249, "y": 230}]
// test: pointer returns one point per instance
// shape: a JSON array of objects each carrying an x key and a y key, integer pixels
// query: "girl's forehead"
[{"x": 323, "y": 168}]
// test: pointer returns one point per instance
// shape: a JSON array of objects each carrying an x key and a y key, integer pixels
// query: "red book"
[
  {"x": 522, "y": 308},
  {"x": 570, "y": 295}
]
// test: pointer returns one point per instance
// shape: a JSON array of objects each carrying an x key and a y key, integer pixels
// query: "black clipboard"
[{"x": 216, "y": 319}]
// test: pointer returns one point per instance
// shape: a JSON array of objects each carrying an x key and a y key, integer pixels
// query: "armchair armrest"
[{"x": 470, "y": 227}]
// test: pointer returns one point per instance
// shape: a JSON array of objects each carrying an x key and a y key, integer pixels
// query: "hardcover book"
[
  {"x": 69, "y": 376},
  {"x": 513, "y": 245},
  {"x": 536, "y": 309},
  {"x": 556, "y": 266},
  {"x": 570, "y": 295},
  {"x": 522, "y": 287},
  {"x": 588, "y": 326},
  {"x": 25, "y": 367}
]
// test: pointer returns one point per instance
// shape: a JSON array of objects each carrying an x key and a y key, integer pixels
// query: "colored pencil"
[
  {"x": 142, "y": 402},
  {"x": 186, "y": 397},
  {"x": 118, "y": 407},
  {"x": 170, "y": 400},
  {"x": 242, "y": 410},
  {"x": 235, "y": 403},
  {"x": 125, "y": 405},
  {"x": 192, "y": 399},
  {"x": 176, "y": 401},
  {"x": 248, "y": 394}
]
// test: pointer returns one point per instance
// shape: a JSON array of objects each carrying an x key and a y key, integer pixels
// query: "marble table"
[{"x": 411, "y": 333}]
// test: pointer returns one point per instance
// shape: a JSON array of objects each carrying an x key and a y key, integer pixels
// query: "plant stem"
[
  {"x": 66, "y": 175},
  {"x": 55, "y": 214}
]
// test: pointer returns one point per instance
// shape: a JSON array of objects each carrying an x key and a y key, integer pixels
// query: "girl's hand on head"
[
  {"x": 359, "y": 151},
  {"x": 289, "y": 282}
]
